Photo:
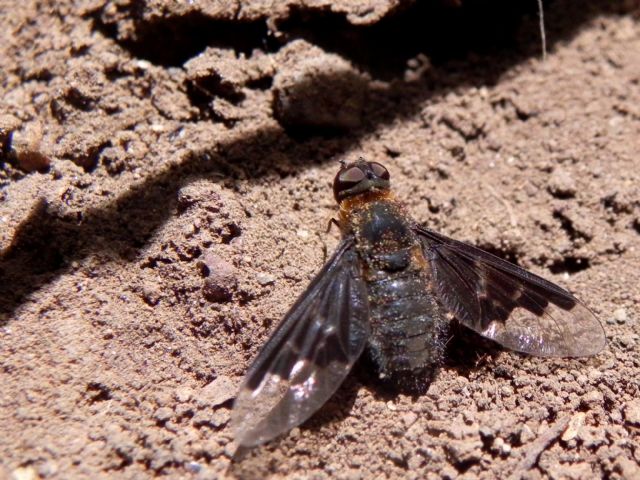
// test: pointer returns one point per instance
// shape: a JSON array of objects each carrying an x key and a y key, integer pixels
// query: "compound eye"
[
  {"x": 351, "y": 176},
  {"x": 379, "y": 170},
  {"x": 347, "y": 179}
]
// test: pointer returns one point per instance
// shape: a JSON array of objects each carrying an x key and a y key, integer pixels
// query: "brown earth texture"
[{"x": 165, "y": 188}]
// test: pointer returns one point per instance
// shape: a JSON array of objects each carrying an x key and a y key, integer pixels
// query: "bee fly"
[{"x": 391, "y": 288}]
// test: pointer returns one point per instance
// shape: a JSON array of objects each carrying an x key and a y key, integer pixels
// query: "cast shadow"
[{"x": 47, "y": 244}]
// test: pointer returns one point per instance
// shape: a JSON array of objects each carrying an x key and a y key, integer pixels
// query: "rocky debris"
[
  {"x": 577, "y": 471},
  {"x": 562, "y": 184},
  {"x": 620, "y": 315},
  {"x": 265, "y": 279},
  {"x": 593, "y": 399},
  {"x": 533, "y": 450},
  {"x": 573, "y": 429},
  {"x": 183, "y": 394},
  {"x": 360, "y": 12},
  {"x": 315, "y": 89},
  {"x": 221, "y": 390},
  {"x": 622, "y": 200},
  {"x": 221, "y": 84},
  {"x": 627, "y": 468},
  {"x": 225, "y": 73},
  {"x": 199, "y": 192},
  {"x": 575, "y": 222},
  {"x": 151, "y": 294},
  {"x": 211, "y": 208},
  {"x": 591, "y": 437},
  {"x": 220, "y": 278},
  {"x": 8, "y": 125},
  {"x": 632, "y": 412},
  {"x": 464, "y": 446},
  {"x": 163, "y": 414},
  {"x": 465, "y": 452},
  {"x": 27, "y": 145}
]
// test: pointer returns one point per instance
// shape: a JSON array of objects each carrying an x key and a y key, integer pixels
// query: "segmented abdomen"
[{"x": 406, "y": 321}]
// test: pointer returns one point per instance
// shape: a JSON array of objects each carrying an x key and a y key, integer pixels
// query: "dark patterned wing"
[
  {"x": 505, "y": 303},
  {"x": 309, "y": 354}
]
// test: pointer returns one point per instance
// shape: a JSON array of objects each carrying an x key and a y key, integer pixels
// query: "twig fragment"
[
  {"x": 544, "y": 441},
  {"x": 543, "y": 35}
]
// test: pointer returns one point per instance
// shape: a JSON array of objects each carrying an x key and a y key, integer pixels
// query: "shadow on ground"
[{"x": 46, "y": 245}]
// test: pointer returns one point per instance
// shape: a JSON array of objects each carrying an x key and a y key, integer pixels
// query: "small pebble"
[
  {"x": 265, "y": 279},
  {"x": 24, "y": 473},
  {"x": 562, "y": 184},
  {"x": 221, "y": 390},
  {"x": 465, "y": 451},
  {"x": 193, "y": 467},
  {"x": 163, "y": 414},
  {"x": 221, "y": 278},
  {"x": 620, "y": 315},
  {"x": 501, "y": 446},
  {"x": 29, "y": 149},
  {"x": 575, "y": 424},
  {"x": 318, "y": 89},
  {"x": 526, "y": 434},
  {"x": 151, "y": 294},
  {"x": 184, "y": 394},
  {"x": 632, "y": 412},
  {"x": 230, "y": 450},
  {"x": 409, "y": 419},
  {"x": 292, "y": 273},
  {"x": 593, "y": 398},
  {"x": 628, "y": 341}
]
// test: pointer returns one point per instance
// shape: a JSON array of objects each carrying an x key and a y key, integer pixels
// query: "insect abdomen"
[{"x": 406, "y": 322}]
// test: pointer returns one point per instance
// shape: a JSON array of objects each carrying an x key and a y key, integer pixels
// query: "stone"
[
  {"x": 631, "y": 412},
  {"x": 221, "y": 278},
  {"x": 318, "y": 89},
  {"x": 221, "y": 390}
]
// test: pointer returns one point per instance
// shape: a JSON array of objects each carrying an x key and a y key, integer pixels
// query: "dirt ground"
[{"x": 165, "y": 174}]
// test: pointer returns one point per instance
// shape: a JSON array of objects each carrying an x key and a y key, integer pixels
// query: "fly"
[{"x": 390, "y": 289}]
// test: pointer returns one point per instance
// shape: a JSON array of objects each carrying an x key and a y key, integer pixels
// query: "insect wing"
[
  {"x": 508, "y": 304},
  {"x": 309, "y": 354}
]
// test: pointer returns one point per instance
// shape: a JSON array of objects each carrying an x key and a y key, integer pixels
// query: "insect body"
[
  {"x": 407, "y": 323},
  {"x": 390, "y": 289}
]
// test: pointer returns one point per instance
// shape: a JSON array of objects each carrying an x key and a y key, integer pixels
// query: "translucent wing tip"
[
  {"x": 250, "y": 419},
  {"x": 591, "y": 339}
]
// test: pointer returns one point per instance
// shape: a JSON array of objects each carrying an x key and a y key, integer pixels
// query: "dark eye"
[
  {"x": 347, "y": 179},
  {"x": 351, "y": 176},
  {"x": 379, "y": 170}
]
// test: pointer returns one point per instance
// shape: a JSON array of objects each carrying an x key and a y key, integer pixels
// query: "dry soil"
[{"x": 165, "y": 174}]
